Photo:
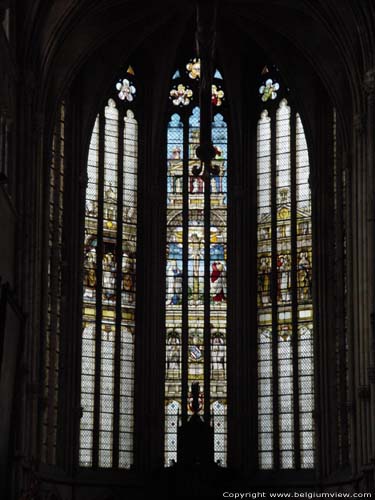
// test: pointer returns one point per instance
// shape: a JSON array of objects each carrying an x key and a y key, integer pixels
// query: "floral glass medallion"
[
  {"x": 181, "y": 96},
  {"x": 269, "y": 90},
  {"x": 194, "y": 68},
  {"x": 126, "y": 90}
]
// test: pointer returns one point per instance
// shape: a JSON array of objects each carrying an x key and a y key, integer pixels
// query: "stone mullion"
[
  {"x": 250, "y": 329},
  {"x": 370, "y": 197},
  {"x": 143, "y": 316},
  {"x": 185, "y": 271},
  {"x": 350, "y": 179},
  {"x": 365, "y": 313},
  {"x": 321, "y": 185},
  {"x": 34, "y": 208},
  {"x": 2, "y": 141},
  {"x": 29, "y": 270},
  {"x": 366, "y": 175},
  {"x": 71, "y": 292},
  {"x": 364, "y": 390},
  {"x": 320, "y": 266},
  {"x": 119, "y": 280},
  {"x": 294, "y": 294},
  {"x": 45, "y": 284},
  {"x": 330, "y": 293},
  {"x": 157, "y": 307},
  {"x": 337, "y": 273},
  {"x": 237, "y": 401},
  {"x": 150, "y": 327},
  {"x": 205, "y": 40},
  {"x": 358, "y": 276},
  {"x": 347, "y": 360},
  {"x": 274, "y": 280},
  {"x": 341, "y": 309},
  {"x": 53, "y": 285},
  {"x": 23, "y": 278},
  {"x": 99, "y": 294},
  {"x": 242, "y": 337},
  {"x": 241, "y": 158}
]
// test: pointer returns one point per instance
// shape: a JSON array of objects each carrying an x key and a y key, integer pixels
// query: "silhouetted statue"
[{"x": 195, "y": 440}]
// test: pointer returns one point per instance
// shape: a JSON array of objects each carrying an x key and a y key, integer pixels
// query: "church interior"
[{"x": 187, "y": 248}]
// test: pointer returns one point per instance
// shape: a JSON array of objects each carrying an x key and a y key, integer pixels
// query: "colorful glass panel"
[{"x": 183, "y": 162}]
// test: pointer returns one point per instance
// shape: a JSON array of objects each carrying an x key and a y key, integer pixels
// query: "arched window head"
[
  {"x": 285, "y": 311},
  {"x": 196, "y": 298},
  {"x": 109, "y": 289}
]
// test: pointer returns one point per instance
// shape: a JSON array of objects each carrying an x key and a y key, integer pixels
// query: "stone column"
[
  {"x": 359, "y": 287},
  {"x": 29, "y": 195},
  {"x": 369, "y": 86},
  {"x": 321, "y": 184}
]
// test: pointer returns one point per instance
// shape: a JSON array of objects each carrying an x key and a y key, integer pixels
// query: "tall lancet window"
[
  {"x": 285, "y": 312},
  {"x": 53, "y": 306},
  {"x": 187, "y": 300},
  {"x": 108, "y": 316}
]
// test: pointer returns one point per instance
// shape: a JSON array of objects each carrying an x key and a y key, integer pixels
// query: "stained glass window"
[
  {"x": 53, "y": 319},
  {"x": 285, "y": 313},
  {"x": 340, "y": 282},
  {"x": 187, "y": 302},
  {"x": 108, "y": 318}
]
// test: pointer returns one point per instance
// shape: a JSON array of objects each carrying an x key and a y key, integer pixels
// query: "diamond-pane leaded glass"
[{"x": 53, "y": 320}]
